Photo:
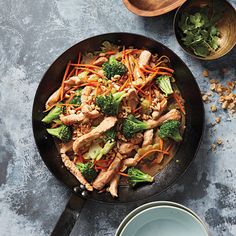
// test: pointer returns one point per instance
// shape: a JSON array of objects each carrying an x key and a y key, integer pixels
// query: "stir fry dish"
[{"x": 117, "y": 117}]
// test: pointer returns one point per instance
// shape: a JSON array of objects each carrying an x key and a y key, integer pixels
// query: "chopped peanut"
[{"x": 213, "y": 108}]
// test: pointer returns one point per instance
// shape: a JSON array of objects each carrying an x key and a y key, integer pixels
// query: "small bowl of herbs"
[{"x": 206, "y": 29}]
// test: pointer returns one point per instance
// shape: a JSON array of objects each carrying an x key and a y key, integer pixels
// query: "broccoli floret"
[
  {"x": 77, "y": 98},
  {"x": 53, "y": 114},
  {"x": 164, "y": 84},
  {"x": 62, "y": 132},
  {"x": 110, "y": 135},
  {"x": 109, "y": 104},
  {"x": 137, "y": 176},
  {"x": 87, "y": 171},
  {"x": 131, "y": 125},
  {"x": 113, "y": 67},
  {"x": 170, "y": 129}
]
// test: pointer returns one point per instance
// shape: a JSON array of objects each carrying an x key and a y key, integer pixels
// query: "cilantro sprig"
[{"x": 199, "y": 33}]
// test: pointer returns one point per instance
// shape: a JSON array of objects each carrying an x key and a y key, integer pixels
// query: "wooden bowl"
[
  {"x": 226, "y": 25},
  {"x": 152, "y": 7}
]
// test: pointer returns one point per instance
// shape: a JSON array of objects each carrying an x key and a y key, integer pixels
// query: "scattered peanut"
[
  {"x": 205, "y": 73},
  {"x": 213, "y": 108},
  {"x": 218, "y": 120}
]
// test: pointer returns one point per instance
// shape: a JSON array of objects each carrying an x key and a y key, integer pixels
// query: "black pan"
[{"x": 185, "y": 154}]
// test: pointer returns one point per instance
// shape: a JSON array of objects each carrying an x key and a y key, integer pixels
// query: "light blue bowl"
[{"x": 164, "y": 221}]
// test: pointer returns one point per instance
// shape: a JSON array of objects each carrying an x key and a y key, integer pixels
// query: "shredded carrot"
[
  {"x": 100, "y": 168},
  {"x": 165, "y": 68},
  {"x": 110, "y": 53},
  {"x": 94, "y": 84},
  {"x": 150, "y": 95},
  {"x": 96, "y": 90},
  {"x": 132, "y": 51},
  {"x": 70, "y": 98},
  {"x": 63, "y": 80},
  {"x": 149, "y": 68},
  {"x": 124, "y": 85},
  {"x": 179, "y": 103},
  {"x": 80, "y": 157},
  {"x": 85, "y": 65},
  {"x": 139, "y": 89},
  {"x": 146, "y": 70},
  {"x": 157, "y": 72},
  {"x": 163, "y": 73},
  {"x": 70, "y": 74},
  {"x": 94, "y": 59},
  {"x": 169, "y": 147},
  {"x": 129, "y": 68},
  {"x": 155, "y": 87},
  {"x": 137, "y": 109},
  {"x": 109, "y": 89},
  {"x": 78, "y": 108},
  {"x": 151, "y": 151},
  {"x": 123, "y": 174},
  {"x": 161, "y": 143}
]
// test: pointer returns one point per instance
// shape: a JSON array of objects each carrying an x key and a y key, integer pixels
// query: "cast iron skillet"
[{"x": 46, "y": 146}]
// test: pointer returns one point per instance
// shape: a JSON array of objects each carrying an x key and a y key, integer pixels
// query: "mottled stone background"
[{"x": 32, "y": 35}]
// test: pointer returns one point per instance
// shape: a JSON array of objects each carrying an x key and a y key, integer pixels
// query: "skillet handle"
[{"x": 69, "y": 216}]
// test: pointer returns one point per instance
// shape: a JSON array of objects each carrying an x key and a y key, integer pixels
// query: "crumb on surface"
[
  {"x": 218, "y": 119},
  {"x": 213, "y": 108},
  {"x": 205, "y": 98},
  {"x": 219, "y": 141},
  {"x": 205, "y": 73},
  {"x": 213, "y": 147}
]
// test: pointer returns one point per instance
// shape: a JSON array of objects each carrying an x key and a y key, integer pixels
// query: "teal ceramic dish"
[
  {"x": 154, "y": 204},
  {"x": 164, "y": 221}
]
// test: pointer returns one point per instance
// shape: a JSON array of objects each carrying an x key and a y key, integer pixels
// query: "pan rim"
[{"x": 174, "y": 180}]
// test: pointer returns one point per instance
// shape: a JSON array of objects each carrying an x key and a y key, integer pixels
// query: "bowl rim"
[
  {"x": 151, "y": 13},
  {"x": 153, "y": 204},
  {"x": 176, "y": 208},
  {"x": 192, "y": 54}
]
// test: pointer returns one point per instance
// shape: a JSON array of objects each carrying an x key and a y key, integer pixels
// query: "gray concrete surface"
[{"x": 32, "y": 35}]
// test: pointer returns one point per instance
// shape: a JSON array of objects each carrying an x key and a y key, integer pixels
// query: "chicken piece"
[
  {"x": 171, "y": 115},
  {"x": 85, "y": 95},
  {"x": 126, "y": 148},
  {"x": 74, "y": 80},
  {"x": 131, "y": 162},
  {"x": 163, "y": 105},
  {"x": 89, "y": 112},
  {"x": 87, "y": 109},
  {"x": 105, "y": 125},
  {"x": 105, "y": 177},
  {"x": 144, "y": 58},
  {"x": 147, "y": 137},
  {"x": 113, "y": 188},
  {"x": 71, "y": 119},
  {"x": 100, "y": 61},
  {"x": 53, "y": 98},
  {"x": 74, "y": 170},
  {"x": 132, "y": 99}
]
